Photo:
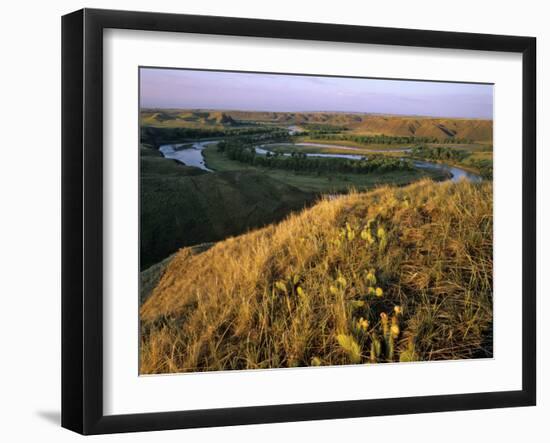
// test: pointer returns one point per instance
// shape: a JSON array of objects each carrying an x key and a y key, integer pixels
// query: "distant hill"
[
  {"x": 171, "y": 117},
  {"x": 478, "y": 130},
  {"x": 393, "y": 125},
  {"x": 222, "y": 118}
]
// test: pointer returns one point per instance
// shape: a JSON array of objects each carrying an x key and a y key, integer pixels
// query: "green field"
[
  {"x": 334, "y": 183},
  {"x": 352, "y": 144}
]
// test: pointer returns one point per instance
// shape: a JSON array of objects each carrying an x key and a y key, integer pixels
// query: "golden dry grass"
[{"x": 396, "y": 274}]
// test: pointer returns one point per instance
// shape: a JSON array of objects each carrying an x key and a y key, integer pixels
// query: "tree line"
[
  {"x": 440, "y": 153},
  {"x": 484, "y": 166},
  {"x": 245, "y": 152},
  {"x": 384, "y": 139}
]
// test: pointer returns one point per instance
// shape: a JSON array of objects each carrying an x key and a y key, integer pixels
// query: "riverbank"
[
  {"x": 456, "y": 172},
  {"x": 190, "y": 154},
  {"x": 323, "y": 184},
  {"x": 205, "y": 156}
]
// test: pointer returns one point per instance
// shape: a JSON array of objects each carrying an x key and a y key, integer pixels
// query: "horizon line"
[{"x": 142, "y": 108}]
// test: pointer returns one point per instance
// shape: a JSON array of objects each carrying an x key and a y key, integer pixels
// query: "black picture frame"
[{"x": 82, "y": 218}]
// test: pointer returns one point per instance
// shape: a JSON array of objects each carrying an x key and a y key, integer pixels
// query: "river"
[
  {"x": 193, "y": 157},
  {"x": 457, "y": 173},
  {"x": 189, "y": 156}
]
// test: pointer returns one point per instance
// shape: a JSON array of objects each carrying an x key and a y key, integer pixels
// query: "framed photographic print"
[{"x": 269, "y": 221}]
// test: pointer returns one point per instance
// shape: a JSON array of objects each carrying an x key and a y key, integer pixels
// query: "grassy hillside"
[
  {"x": 392, "y": 125},
  {"x": 149, "y": 278},
  {"x": 474, "y": 129},
  {"x": 171, "y": 118},
  {"x": 183, "y": 206},
  {"x": 395, "y": 274}
]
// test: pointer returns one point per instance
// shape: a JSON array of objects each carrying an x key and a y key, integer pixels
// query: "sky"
[{"x": 218, "y": 90}]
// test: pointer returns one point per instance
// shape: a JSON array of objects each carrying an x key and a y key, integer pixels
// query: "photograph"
[
  {"x": 259, "y": 222},
  {"x": 304, "y": 220}
]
